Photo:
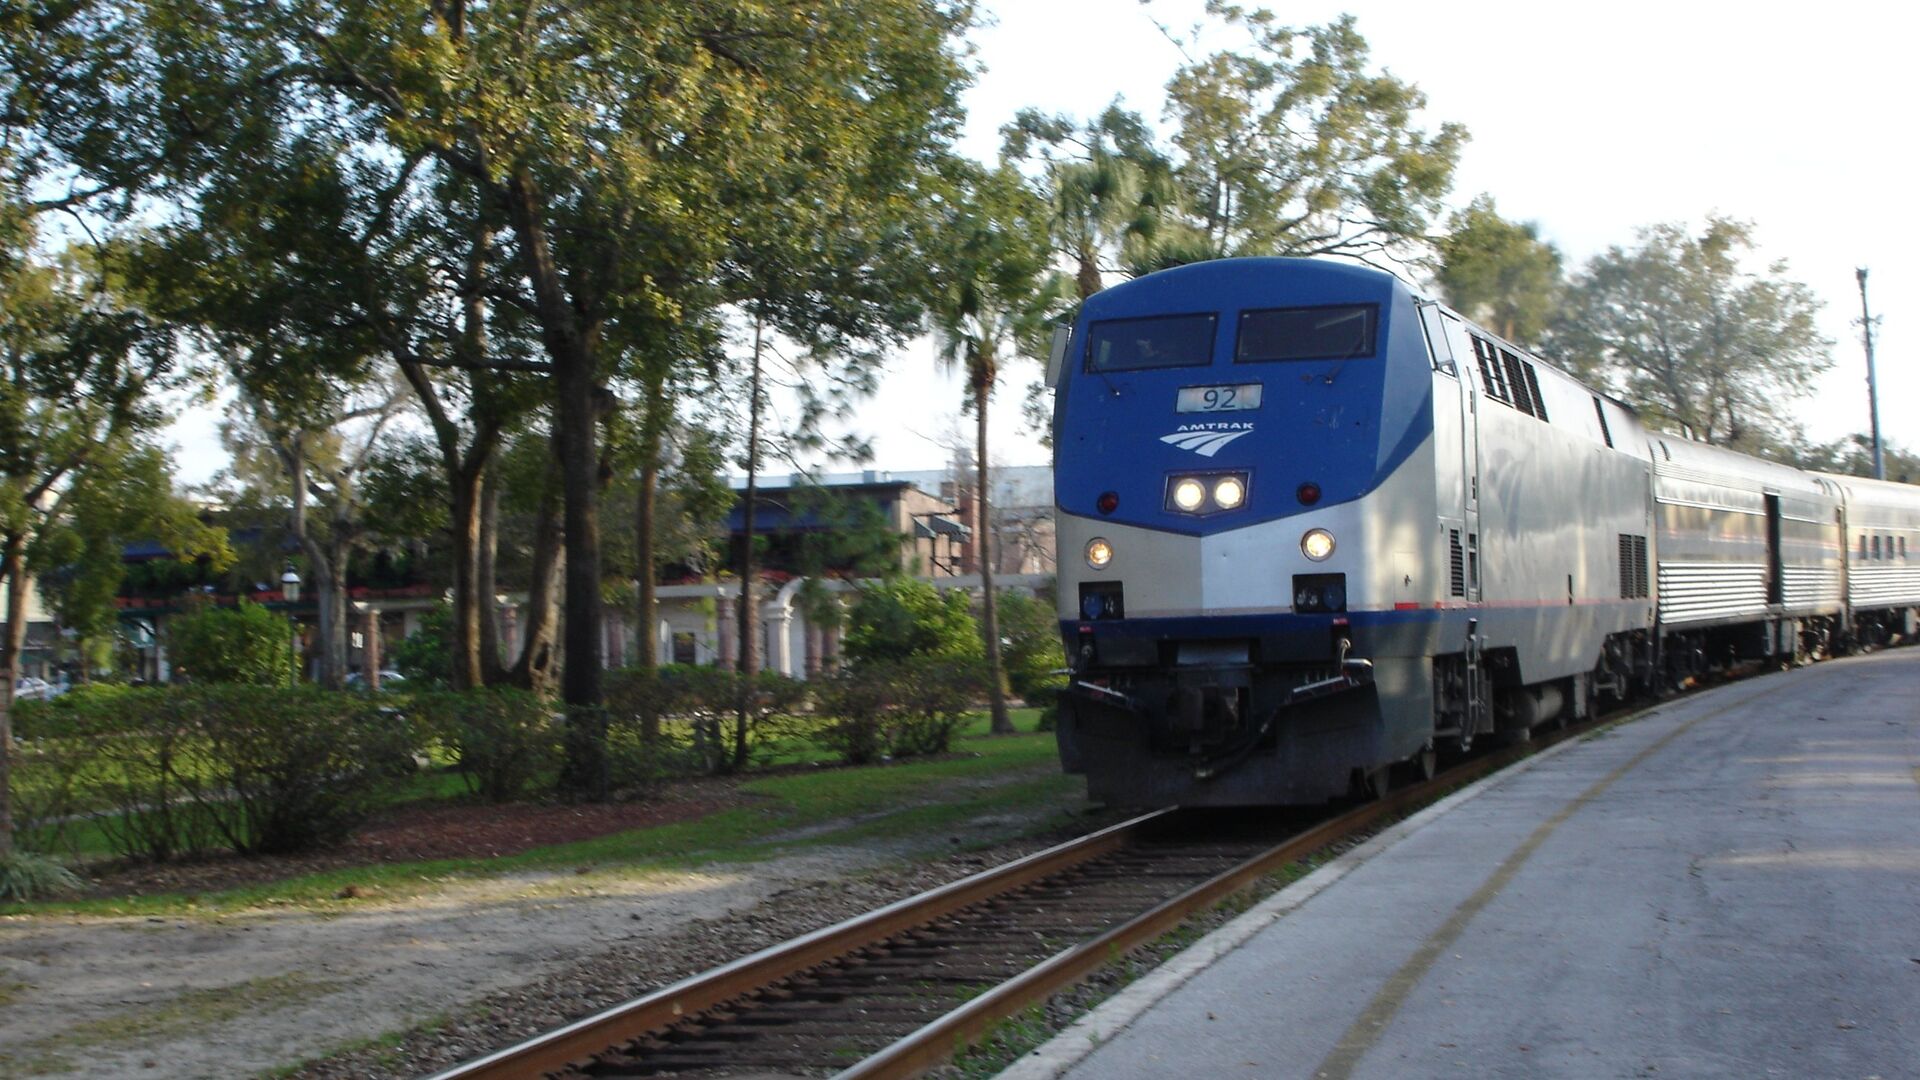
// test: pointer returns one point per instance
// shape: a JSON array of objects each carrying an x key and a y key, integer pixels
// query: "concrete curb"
[{"x": 1063, "y": 1051}]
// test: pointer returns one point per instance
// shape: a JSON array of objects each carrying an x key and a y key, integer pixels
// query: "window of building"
[{"x": 685, "y": 647}]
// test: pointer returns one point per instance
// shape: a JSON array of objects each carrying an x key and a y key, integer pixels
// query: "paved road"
[{"x": 1728, "y": 886}]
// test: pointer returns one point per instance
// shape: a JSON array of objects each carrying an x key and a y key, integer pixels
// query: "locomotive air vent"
[{"x": 1456, "y": 564}]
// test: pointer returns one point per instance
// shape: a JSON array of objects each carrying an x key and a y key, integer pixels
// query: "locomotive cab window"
[
  {"x": 1346, "y": 332},
  {"x": 1165, "y": 341}
]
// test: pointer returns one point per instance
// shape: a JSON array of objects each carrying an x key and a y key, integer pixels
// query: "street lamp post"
[{"x": 290, "y": 592}]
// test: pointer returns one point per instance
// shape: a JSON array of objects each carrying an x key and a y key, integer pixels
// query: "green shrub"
[
  {"x": 934, "y": 698},
  {"x": 900, "y": 708},
  {"x": 1030, "y": 648},
  {"x": 258, "y": 769},
  {"x": 243, "y": 644},
  {"x": 903, "y": 617},
  {"x": 26, "y": 876},
  {"x": 859, "y": 703},
  {"x": 425, "y": 657},
  {"x": 687, "y": 718},
  {"x": 299, "y": 768},
  {"x": 52, "y": 789},
  {"x": 504, "y": 740},
  {"x": 138, "y": 760}
]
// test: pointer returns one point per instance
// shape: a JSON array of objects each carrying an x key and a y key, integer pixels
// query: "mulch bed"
[{"x": 429, "y": 831}]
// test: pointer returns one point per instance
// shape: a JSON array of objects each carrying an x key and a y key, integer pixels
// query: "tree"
[
  {"x": 320, "y": 452},
  {"x": 79, "y": 363},
  {"x": 125, "y": 494},
  {"x": 1292, "y": 147},
  {"x": 1500, "y": 273},
  {"x": 903, "y": 617},
  {"x": 1853, "y": 456},
  {"x": 998, "y": 289},
  {"x": 602, "y": 135},
  {"x": 1106, "y": 186},
  {"x": 243, "y": 644},
  {"x": 1680, "y": 327}
]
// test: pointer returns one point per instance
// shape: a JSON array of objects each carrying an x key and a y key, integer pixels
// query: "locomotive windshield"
[
  {"x": 1307, "y": 333},
  {"x": 1162, "y": 342}
]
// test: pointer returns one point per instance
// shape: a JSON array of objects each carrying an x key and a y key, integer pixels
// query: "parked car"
[
  {"x": 30, "y": 688},
  {"x": 388, "y": 678}
]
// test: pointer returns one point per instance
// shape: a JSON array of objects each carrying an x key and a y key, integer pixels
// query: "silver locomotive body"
[{"x": 1428, "y": 537}]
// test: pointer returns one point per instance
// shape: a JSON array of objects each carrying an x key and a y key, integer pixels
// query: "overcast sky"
[{"x": 1590, "y": 120}]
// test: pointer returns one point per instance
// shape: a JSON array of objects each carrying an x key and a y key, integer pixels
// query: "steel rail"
[
  {"x": 580, "y": 1040},
  {"x": 935, "y": 1043}
]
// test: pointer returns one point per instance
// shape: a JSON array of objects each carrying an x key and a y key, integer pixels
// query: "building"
[{"x": 928, "y": 518}]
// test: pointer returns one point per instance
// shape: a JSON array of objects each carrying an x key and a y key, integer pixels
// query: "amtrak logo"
[{"x": 1206, "y": 439}]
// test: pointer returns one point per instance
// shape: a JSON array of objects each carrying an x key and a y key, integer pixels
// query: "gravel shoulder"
[{"x": 400, "y": 987}]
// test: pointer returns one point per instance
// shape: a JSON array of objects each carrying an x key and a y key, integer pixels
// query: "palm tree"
[{"x": 996, "y": 289}]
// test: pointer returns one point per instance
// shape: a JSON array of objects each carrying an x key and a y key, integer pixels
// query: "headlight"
[
  {"x": 1317, "y": 544},
  {"x": 1229, "y": 493},
  {"x": 1099, "y": 553},
  {"x": 1188, "y": 494}
]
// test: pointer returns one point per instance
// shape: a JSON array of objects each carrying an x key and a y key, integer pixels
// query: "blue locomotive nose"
[{"x": 1206, "y": 398}]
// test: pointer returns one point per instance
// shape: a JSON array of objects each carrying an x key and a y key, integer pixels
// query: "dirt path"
[{"x": 238, "y": 994}]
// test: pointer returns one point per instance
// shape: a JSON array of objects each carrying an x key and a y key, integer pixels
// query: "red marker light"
[
  {"x": 1108, "y": 502},
  {"x": 1309, "y": 493}
]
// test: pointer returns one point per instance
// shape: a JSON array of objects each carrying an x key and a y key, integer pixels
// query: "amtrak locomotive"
[{"x": 1313, "y": 527}]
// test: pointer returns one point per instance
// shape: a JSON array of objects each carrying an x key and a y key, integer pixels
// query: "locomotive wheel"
[
  {"x": 1370, "y": 785},
  {"x": 1419, "y": 768}
]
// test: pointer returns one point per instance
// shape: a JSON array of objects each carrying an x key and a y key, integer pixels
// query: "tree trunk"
[
  {"x": 492, "y": 670},
  {"x": 572, "y": 354},
  {"x": 470, "y": 601},
  {"x": 1086, "y": 278},
  {"x": 327, "y": 567},
  {"x": 658, "y": 409},
  {"x": 13, "y": 575},
  {"x": 983, "y": 543},
  {"x": 749, "y": 603},
  {"x": 539, "y": 652}
]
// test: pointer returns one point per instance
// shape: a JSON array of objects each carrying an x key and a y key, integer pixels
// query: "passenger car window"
[
  {"x": 1160, "y": 342},
  {"x": 1344, "y": 332}
]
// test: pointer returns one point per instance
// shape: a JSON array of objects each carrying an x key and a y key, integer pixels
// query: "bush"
[
  {"x": 26, "y": 876},
  {"x": 243, "y": 644},
  {"x": 900, "y": 708},
  {"x": 261, "y": 770},
  {"x": 904, "y": 618},
  {"x": 687, "y": 719},
  {"x": 425, "y": 657},
  {"x": 1030, "y": 648},
  {"x": 301, "y": 768},
  {"x": 504, "y": 740}
]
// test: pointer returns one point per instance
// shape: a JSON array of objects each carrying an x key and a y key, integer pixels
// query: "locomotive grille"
[
  {"x": 1533, "y": 386},
  {"x": 1633, "y": 567},
  {"x": 1456, "y": 563},
  {"x": 1517, "y": 379}
]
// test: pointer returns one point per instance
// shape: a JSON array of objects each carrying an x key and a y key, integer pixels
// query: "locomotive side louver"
[
  {"x": 1456, "y": 564},
  {"x": 1633, "y": 567}
]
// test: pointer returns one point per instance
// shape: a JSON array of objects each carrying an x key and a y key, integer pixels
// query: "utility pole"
[{"x": 1873, "y": 389}]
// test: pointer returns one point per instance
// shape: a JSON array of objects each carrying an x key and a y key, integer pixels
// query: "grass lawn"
[{"x": 915, "y": 802}]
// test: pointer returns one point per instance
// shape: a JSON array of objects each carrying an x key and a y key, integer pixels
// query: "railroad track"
[{"x": 894, "y": 992}]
